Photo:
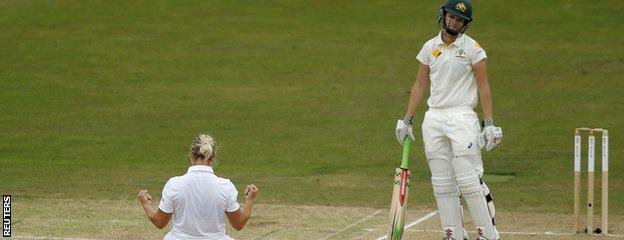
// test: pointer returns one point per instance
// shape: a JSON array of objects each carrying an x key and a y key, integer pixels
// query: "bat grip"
[{"x": 406, "y": 149}]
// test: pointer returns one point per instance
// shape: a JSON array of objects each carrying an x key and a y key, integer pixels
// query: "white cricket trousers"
[
  {"x": 450, "y": 139},
  {"x": 450, "y": 132}
]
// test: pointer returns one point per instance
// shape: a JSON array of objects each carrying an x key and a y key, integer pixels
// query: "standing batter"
[{"x": 454, "y": 65}]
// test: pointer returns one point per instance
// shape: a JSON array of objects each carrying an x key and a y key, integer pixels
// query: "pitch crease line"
[
  {"x": 556, "y": 234},
  {"x": 414, "y": 223},
  {"x": 352, "y": 225},
  {"x": 525, "y": 233}
]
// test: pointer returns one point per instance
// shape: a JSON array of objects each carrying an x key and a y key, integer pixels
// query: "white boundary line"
[
  {"x": 558, "y": 234},
  {"x": 422, "y": 219},
  {"x": 547, "y": 233},
  {"x": 352, "y": 225}
]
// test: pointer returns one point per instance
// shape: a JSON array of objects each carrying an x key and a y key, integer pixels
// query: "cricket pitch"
[{"x": 124, "y": 219}]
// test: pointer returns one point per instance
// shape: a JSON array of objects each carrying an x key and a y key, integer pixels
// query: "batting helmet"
[{"x": 461, "y": 8}]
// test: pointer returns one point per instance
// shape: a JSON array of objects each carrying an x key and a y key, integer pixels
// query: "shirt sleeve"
[
  {"x": 477, "y": 54},
  {"x": 232, "y": 195},
  {"x": 166, "y": 202},
  {"x": 424, "y": 54}
]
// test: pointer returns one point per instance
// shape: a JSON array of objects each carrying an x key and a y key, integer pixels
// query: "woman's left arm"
[{"x": 483, "y": 86}]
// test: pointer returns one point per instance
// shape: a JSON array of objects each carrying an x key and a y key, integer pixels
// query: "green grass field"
[{"x": 99, "y": 99}]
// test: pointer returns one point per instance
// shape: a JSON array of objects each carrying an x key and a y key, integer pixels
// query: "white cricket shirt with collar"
[
  {"x": 452, "y": 79},
  {"x": 198, "y": 201}
]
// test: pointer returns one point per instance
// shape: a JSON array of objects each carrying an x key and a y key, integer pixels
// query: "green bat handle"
[{"x": 406, "y": 149}]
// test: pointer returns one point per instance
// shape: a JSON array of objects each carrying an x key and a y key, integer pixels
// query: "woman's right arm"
[
  {"x": 418, "y": 89},
  {"x": 158, "y": 218},
  {"x": 239, "y": 218}
]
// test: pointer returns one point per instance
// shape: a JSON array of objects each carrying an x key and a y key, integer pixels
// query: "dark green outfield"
[{"x": 101, "y": 98}]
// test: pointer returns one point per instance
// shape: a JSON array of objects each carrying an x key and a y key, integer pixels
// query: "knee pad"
[
  {"x": 444, "y": 185},
  {"x": 466, "y": 177},
  {"x": 442, "y": 178}
]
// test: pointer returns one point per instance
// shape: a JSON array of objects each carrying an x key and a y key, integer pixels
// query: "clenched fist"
[
  {"x": 250, "y": 192},
  {"x": 145, "y": 197}
]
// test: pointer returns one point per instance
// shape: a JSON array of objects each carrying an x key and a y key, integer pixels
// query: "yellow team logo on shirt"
[
  {"x": 461, "y": 7},
  {"x": 436, "y": 52}
]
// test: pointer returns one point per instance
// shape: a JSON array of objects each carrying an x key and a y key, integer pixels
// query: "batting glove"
[
  {"x": 404, "y": 129},
  {"x": 491, "y": 136}
]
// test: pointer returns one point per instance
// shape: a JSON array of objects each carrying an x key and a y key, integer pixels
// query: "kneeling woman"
[{"x": 199, "y": 200}]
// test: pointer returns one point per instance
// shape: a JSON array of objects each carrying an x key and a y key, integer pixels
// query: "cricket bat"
[{"x": 396, "y": 221}]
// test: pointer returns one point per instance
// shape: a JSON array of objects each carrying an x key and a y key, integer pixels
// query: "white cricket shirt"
[
  {"x": 452, "y": 79},
  {"x": 198, "y": 201}
]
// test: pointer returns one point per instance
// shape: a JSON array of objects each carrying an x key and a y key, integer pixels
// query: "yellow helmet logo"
[{"x": 461, "y": 7}]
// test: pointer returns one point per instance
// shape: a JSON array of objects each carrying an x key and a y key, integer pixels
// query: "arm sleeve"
[
  {"x": 477, "y": 54},
  {"x": 166, "y": 202},
  {"x": 232, "y": 195},
  {"x": 424, "y": 54}
]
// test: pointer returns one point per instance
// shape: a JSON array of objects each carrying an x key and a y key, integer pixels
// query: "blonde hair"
[{"x": 203, "y": 148}]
